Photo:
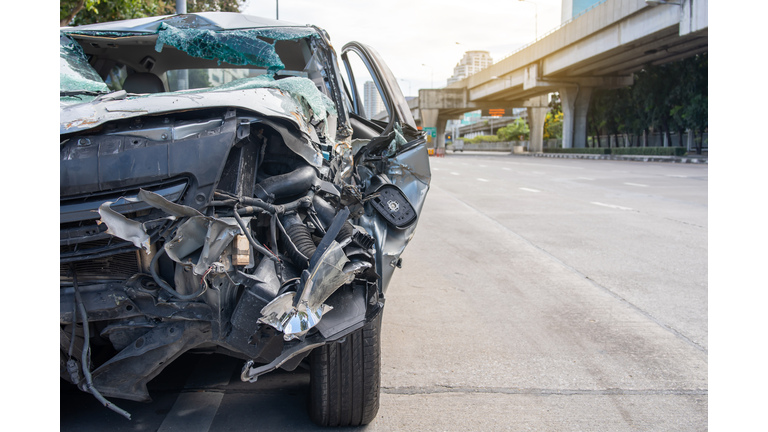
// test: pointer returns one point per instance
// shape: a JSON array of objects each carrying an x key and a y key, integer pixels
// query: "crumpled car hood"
[{"x": 265, "y": 101}]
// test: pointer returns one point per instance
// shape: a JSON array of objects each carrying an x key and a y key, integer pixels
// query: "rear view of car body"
[{"x": 260, "y": 218}]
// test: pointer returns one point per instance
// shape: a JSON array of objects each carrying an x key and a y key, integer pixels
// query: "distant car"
[
  {"x": 222, "y": 190},
  {"x": 458, "y": 145}
]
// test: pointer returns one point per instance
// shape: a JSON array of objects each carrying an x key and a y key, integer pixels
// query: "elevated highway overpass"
[{"x": 599, "y": 49}]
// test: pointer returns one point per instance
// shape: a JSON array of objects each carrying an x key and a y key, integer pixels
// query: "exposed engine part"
[
  {"x": 242, "y": 252},
  {"x": 298, "y": 233},
  {"x": 284, "y": 185}
]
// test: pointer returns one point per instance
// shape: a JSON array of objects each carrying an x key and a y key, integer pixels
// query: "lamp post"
[
  {"x": 432, "y": 82},
  {"x": 182, "y": 82},
  {"x": 277, "y": 9},
  {"x": 535, "y": 18}
]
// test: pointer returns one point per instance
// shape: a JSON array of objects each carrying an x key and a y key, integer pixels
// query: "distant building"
[
  {"x": 571, "y": 8},
  {"x": 472, "y": 63},
  {"x": 372, "y": 103}
]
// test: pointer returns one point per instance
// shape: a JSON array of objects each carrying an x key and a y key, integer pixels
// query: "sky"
[{"x": 409, "y": 34}]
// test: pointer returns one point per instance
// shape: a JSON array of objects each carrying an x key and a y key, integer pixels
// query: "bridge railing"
[{"x": 565, "y": 23}]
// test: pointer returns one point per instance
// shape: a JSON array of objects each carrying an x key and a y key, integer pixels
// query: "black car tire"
[{"x": 345, "y": 378}]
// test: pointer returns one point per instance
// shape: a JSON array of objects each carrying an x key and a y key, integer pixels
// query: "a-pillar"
[
  {"x": 575, "y": 101},
  {"x": 537, "y": 114}
]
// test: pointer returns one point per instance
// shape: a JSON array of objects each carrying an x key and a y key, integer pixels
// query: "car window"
[{"x": 366, "y": 91}]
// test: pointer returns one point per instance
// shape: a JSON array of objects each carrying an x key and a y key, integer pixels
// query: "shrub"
[
  {"x": 643, "y": 151},
  {"x": 650, "y": 151}
]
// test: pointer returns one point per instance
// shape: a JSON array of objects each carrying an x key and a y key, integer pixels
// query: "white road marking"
[
  {"x": 435, "y": 169},
  {"x": 636, "y": 184},
  {"x": 546, "y": 165},
  {"x": 508, "y": 169},
  {"x": 585, "y": 178},
  {"x": 612, "y": 206},
  {"x": 529, "y": 190},
  {"x": 537, "y": 172},
  {"x": 678, "y": 176},
  {"x": 455, "y": 173},
  {"x": 482, "y": 179},
  {"x": 483, "y": 166}
]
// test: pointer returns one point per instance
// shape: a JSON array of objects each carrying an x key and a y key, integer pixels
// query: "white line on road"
[
  {"x": 537, "y": 172},
  {"x": 482, "y": 179},
  {"x": 455, "y": 173},
  {"x": 636, "y": 184},
  {"x": 585, "y": 178},
  {"x": 678, "y": 176},
  {"x": 612, "y": 206},
  {"x": 529, "y": 190},
  {"x": 435, "y": 169},
  {"x": 483, "y": 166},
  {"x": 508, "y": 169}
]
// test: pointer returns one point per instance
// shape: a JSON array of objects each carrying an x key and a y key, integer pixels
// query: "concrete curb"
[{"x": 634, "y": 158}]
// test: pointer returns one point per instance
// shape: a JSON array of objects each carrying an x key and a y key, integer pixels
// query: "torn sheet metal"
[
  {"x": 324, "y": 278},
  {"x": 200, "y": 241},
  {"x": 124, "y": 228},
  {"x": 159, "y": 202},
  {"x": 294, "y": 322}
]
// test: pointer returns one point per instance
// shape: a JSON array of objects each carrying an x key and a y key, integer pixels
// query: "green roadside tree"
[
  {"x": 515, "y": 131},
  {"x": 80, "y": 12}
]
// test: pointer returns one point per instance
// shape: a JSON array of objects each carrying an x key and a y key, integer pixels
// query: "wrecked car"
[{"x": 222, "y": 190}]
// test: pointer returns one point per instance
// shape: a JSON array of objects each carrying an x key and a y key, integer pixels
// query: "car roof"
[{"x": 202, "y": 20}]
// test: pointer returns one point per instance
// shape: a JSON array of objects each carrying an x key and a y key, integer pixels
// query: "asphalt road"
[{"x": 536, "y": 295}]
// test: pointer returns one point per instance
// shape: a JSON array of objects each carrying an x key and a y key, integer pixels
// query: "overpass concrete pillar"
[
  {"x": 441, "y": 122},
  {"x": 536, "y": 117},
  {"x": 575, "y": 102},
  {"x": 431, "y": 118}
]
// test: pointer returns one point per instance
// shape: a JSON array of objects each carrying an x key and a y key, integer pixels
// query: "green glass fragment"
[
  {"x": 75, "y": 73},
  {"x": 398, "y": 142},
  {"x": 237, "y": 47}
]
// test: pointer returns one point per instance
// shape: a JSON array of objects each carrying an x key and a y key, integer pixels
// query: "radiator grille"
[{"x": 114, "y": 267}]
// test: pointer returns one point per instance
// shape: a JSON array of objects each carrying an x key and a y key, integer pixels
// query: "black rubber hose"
[
  {"x": 301, "y": 237},
  {"x": 85, "y": 358},
  {"x": 295, "y": 182},
  {"x": 326, "y": 213}
]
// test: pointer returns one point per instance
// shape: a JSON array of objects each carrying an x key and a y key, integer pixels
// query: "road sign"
[
  {"x": 431, "y": 133},
  {"x": 494, "y": 112}
]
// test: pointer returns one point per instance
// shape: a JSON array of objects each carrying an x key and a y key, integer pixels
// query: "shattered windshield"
[
  {"x": 237, "y": 47},
  {"x": 246, "y": 47},
  {"x": 75, "y": 73}
]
